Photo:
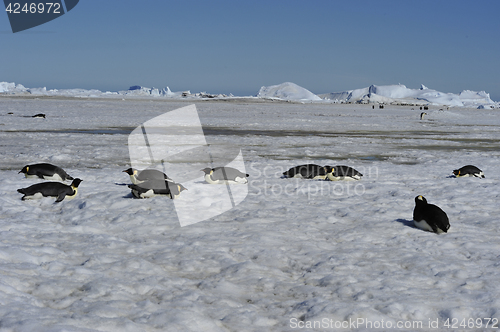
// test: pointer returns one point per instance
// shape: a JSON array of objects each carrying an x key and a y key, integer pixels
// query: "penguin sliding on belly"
[
  {"x": 343, "y": 173},
  {"x": 468, "y": 171},
  {"x": 153, "y": 188},
  {"x": 308, "y": 171},
  {"x": 138, "y": 177},
  {"x": 45, "y": 171},
  {"x": 219, "y": 175},
  {"x": 429, "y": 217},
  {"x": 51, "y": 189}
]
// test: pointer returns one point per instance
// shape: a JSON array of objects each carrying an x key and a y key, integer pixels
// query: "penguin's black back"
[
  {"x": 345, "y": 171},
  {"x": 307, "y": 171},
  {"x": 47, "y": 189},
  {"x": 151, "y": 174}
]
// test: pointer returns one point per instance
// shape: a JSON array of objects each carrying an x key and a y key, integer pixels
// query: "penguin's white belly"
[
  {"x": 34, "y": 196},
  {"x": 148, "y": 194},
  {"x": 475, "y": 175},
  {"x": 343, "y": 178},
  {"x": 239, "y": 180},
  {"x": 422, "y": 224},
  {"x": 55, "y": 177}
]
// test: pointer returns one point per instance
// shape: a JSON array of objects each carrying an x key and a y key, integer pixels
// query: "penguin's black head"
[
  {"x": 181, "y": 187},
  {"x": 456, "y": 172},
  {"x": 76, "y": 183},
  {"x": 420, "y": 200},
  {"x": 24, "y": 170},
  {"x": 129, "y": 171},
  {"x": 207, "y": 170}
]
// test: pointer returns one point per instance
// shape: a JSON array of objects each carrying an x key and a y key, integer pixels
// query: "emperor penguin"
[
  {"x": 51, "y": 189},
  {"x": 468, "y": 171},
  {"x": 422, "y": 115},
  {"x": 308, "y": 171},
  {"x": 429, "y": 217},
  {"x": 219, "y": 175},
  {"x": 146, "y": 175},
  {"x": 343, "y": 173},
  {"x": 45, "y": 171},
  {"x": 153, "y": 188}
]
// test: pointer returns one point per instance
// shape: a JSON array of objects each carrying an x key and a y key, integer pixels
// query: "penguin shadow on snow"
[{"x": 406, "y": 222}]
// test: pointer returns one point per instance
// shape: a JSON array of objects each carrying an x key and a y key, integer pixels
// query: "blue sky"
[{"x": 238, "y": 46}]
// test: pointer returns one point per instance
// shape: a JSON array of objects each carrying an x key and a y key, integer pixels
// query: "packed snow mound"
[
  {"x": 287, "y": 91},
  {"x": 400, "y": 94}
]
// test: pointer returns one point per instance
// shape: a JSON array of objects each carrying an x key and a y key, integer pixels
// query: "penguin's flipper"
[
  {"x": 60, "y": 197},
  {"x": 40, "y": 175}
]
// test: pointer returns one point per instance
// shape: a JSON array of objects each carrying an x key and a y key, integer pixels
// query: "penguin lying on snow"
[
  {"x": 308, "y": 171},
  {"x": 468, "y": 170},
  {"x": 39, "y": 116},
  {"x": 146, "y": 175},
  {"x": 52, "y": 189},
  {"x": 429, "y": 217},
  {"x": 152, "y": 188},
  {"x": 45, "y": 171},
  {"x": 220, "y": 175},
  {"x": 343, "y": 173}
]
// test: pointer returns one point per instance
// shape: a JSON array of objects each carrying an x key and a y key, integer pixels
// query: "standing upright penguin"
[{"x": 429, "y": 217}]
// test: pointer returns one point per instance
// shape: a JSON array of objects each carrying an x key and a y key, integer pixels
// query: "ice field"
[{"x": 294, "y": 255}]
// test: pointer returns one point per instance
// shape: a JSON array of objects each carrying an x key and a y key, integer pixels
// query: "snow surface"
[{"x": 292, "y": 251}]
